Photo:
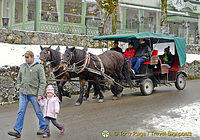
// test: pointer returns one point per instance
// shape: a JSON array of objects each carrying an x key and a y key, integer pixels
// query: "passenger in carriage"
[
  {"x": 130, "y": 52},
  {"x": 142, "y": 55},
  {"x": 116, "y": 47},
  {"x": 167, "y": 57}
]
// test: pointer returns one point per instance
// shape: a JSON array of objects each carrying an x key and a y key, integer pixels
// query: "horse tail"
[{"x": 126, "y": 73}]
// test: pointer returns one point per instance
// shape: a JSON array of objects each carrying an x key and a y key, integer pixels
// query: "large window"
[
  {"x": 131, "y": 18},
  {"x": 18, "y": 11},
  {"x": 72, "y": 11},
  {"x": 6, "y": 5},
  {"x": 119, "y": 18},
  {"x": 149, "y": 21},
  {"x": 50, "y": 10},
  {"x": 92, "y": 15},
  {"x": 31, "y": 10}
]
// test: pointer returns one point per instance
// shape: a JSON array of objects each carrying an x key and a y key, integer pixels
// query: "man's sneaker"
[
  {"x": 46, "y": 135},
  {"x": 14, "y": 133},
  {"x": 40, "y": 131},
  {"x": 62, "y": 131}
]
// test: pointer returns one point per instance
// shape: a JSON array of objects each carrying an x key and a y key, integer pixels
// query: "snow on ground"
[
  {"x": 182, "y": 119},
  {"x": 191, "y": 57},
  {"x": 11, "y": 54}
]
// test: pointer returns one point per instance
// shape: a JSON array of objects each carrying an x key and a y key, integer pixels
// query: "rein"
[
  {"x": 78, "y": 69},
  {"x": 74, "y": 68}
]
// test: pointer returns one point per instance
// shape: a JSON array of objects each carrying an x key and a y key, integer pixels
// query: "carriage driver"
[
  {"x": 142, "y": 55},
  {"x": 116, "y": 47}
]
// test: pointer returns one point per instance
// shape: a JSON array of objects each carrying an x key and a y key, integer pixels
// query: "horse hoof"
[
  {"x": 119, "y": 95},
  {"x": 94, "y": 97},
  {"x": 77, "y": 104},
  {"x": 100, "y": 101},
  {"x": 115, "y": 98}
]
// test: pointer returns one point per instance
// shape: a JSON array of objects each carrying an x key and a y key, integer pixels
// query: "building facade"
[{"x": 84, "y": 17}]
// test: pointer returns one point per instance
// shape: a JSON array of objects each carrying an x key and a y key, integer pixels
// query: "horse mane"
[
  {"x": 55, "y": 55},
  {"x": 78, "y": 53}
]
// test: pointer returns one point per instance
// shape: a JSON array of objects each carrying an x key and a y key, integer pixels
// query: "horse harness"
[
  {"x": 55, "y": 69},
  {"x": 82, "y": 68}
]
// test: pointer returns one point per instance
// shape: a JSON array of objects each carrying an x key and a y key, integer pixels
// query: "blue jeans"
[
  {"x": 23, "y": 102},
  {"x": 138, "y": 62}
]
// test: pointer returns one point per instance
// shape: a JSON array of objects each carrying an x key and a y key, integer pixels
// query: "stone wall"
[
  {"x": 28, "y": 37},
  {"x": 193, "y": 48},
  {"x": 44, "y": 38}
]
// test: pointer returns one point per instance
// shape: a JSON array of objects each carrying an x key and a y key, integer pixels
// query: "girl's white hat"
[{"x": 50, "y": 89}]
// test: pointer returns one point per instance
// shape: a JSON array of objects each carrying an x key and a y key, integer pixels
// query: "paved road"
[{"x": 86, "y": 122}]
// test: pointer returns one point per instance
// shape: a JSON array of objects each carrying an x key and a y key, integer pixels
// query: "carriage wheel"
[
  {"x": 180, "y": 82},
  {"x": 146, "y": 87}
]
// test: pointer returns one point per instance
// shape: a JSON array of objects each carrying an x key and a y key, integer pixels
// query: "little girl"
[{"x": 51, "y": 109}]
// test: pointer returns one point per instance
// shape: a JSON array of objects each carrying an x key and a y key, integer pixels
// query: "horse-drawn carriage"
[
  {"x": 113, "y": 67},
  {"x": 153, "y": 73}
]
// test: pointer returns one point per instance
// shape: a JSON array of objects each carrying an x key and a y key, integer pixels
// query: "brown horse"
[
  {"x": 54, "y": 57},
  {"x": 92, "y": 67}
]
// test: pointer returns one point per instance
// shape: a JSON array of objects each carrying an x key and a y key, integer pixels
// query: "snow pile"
[
  {"x": 11, "y": 54},
  {"x": 191, "y": 57},
  {"x": 183, "y": 119}
]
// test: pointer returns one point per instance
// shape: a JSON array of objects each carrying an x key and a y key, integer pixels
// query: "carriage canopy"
[{"x": 153, "y": 37}]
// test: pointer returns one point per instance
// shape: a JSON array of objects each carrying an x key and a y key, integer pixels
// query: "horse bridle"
[
  {"x": 50, "y": 60},
  {"x": 69, "y": 59},
  {"x": 45, "y": 58}
]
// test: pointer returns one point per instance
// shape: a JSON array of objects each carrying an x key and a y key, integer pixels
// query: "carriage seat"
[
  {"x": 175, "y": 64},
  {"x": 153, "y": 59},
  {"x": 164, "y": 68}
]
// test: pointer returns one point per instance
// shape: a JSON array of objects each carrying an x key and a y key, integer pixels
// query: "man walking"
[{"x": 31, "y": 84}]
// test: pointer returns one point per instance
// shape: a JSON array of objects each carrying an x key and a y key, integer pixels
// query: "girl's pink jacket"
[{"x": 51, "y": 106}]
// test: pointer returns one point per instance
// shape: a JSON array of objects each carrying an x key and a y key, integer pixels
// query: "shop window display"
[
  {"x": 93, "y": 15},
  {"x": 149, "y": 21},
  {"x": 50, "y": 10},
  {"x": 18, "y": 11},
  {"x": 131, "y": 18},
  {"x": 72, "y": 11},
  {"x": 31, "y": 10}
]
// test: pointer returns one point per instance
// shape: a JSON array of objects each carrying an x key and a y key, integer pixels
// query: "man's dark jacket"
[
  {"x": 143, "y": 51},
  {"x": 170, "y": 59},
  {"x": 118, "y": 49}
]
